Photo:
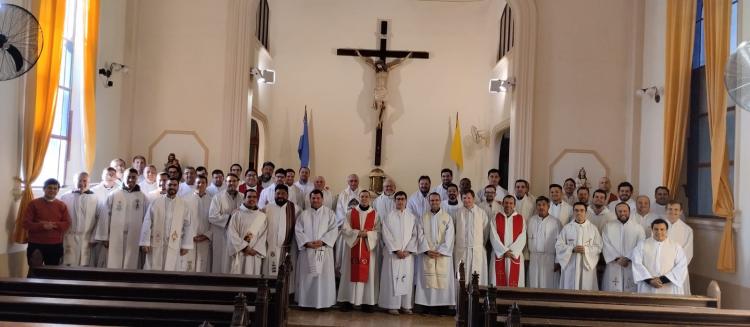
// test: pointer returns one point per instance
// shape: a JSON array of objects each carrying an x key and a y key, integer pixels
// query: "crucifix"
[{"x": 382, "y": 67}]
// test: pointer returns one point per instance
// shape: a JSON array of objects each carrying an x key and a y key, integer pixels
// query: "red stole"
[
  {"x": 360, "y": 254},
  {"x": 501, "y": 277}
]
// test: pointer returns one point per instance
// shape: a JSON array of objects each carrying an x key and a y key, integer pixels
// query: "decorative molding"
[
  {"x": 522, "y": 96},
  {"x": 565, "y": 152},
  {"x": 711, "y": 224},
  {"x": 176, "y": 132}
]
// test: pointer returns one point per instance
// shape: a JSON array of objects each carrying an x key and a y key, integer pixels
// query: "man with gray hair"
[{"x": 78, "y": 242}]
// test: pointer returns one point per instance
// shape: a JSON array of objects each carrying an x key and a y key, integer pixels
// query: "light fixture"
[
  {"x": 654, "y": 92},
  {"x": 265, "y": 76},
  {"x": 501, "y": 85},
  {"x": 109, "y": 69}
]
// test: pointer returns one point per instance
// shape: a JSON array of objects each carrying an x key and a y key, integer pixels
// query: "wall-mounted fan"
[
  {"x": 20, "y": 41},
  {"x": 737, "y": 76}
]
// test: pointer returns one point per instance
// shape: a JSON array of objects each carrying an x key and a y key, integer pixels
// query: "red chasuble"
[
  {"x": 360, "y": 253},
  {"x": 501, "y": 276}
]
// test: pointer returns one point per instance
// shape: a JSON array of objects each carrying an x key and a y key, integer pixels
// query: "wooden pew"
[
  {"x": 130, "y": 313},
  {"x": 278, "y": 305}
]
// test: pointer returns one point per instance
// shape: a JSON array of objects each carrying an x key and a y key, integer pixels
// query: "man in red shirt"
[{"x": 46, "y": 219}]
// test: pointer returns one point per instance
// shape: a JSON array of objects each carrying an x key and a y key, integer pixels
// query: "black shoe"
[
  {"x": 345, "y": 307},
  {"x": 368, "y": 308}
]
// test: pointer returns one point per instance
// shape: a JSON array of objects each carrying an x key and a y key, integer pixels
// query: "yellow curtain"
[
  {"x": 38, "y": 118},
  {"x": 679, "y": 55},
  {"x": 90, "y": 44},
  {"x": 717, "y": 17}
]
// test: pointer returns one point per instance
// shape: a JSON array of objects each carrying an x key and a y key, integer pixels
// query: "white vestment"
[
  {"x": 526, "y": 206},
  {"x": 295, "y": 195},
  {"x": 345, "y": 201},
  {"x": 500, "y": 193},
  {"x": 399, "y": 233},
  {"x": 541, "y": 235},
  {"x": 644, "y": 220},
  {"x": 267, "y": 183},
  {"x": 78, "y": 242},
  {"x": 451, "y": 209},
  {"x": 562, "y": 211},
  {"x": 570, "y": 199},
  {"x": 199, "y": 257},
  {"x": 185, "y": 189},
  {"x": 435, "y": 279},
  {"x": 578, "y": 271},
  {"x": 213, "y": 189},
  {"x": 618, "y": 240},
  {"x": 267, "y": 195},
  {"x": 306, "y": 188},
  {"x": 418, "y": 203},
  {"x": 147, "y": 187},
  {"x": 383, "y": 205},
  {"x": 472, "y": 231},
  {"x": 219, "y": 214},
  {"x": 99, "y": 252},
  {"x": 275, "y": 237},
  {"x": 316, "y": 286},
  {"x": 247, "y": 224},
  {"x": 682, "y": 234},
  {"x": 122, "y": 228},
  {"x": 655, "y": 259},
  {"x": 658, "y": 209},
  {"x": 153, "y": 195},
  {"x": 491, "y": 209},
  {"x": 630, "y": 202},
  {"x": 440, "y": 189},
  {"x": 601, "y": 219},
  {"x": 358, "y": 293},
  {"x": 327, "y": 200},
  {"x": 166, "y": 229},
  {"x": 515, "y": 246}
]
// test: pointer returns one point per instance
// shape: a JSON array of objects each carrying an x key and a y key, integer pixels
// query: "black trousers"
[{"x": 51, "y": 253}]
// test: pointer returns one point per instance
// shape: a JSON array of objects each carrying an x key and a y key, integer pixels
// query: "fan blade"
[{"x": 17, "y": 57}]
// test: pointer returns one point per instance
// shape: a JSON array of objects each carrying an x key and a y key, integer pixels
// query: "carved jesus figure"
[{"x": 382, "y": 68}]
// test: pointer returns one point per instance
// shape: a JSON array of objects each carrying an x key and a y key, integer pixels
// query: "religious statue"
[
  {"x": 582, "y": 180},
  {"x": 382, "y": 68}
]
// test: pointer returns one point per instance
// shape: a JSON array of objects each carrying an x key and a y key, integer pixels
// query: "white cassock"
[
  {"x": 630, "y": 202},
  {"x": 280, "y": 232},
  {"x": 213, "y": 189},
  {"x": 500, "y": 193},
  {"x": 316, "y": 287},
  {"x": 618, "y": 240},
  {"x": 514, "y": 240},
  {"x": 562, "y": 211},
  {"x": 267, "y": 195},
  {"x": 153, "y": 195},
  {"x": 570, "y": 199},
  {"x": 435, "y": 279},
  {"x": 578, "y": 271},
  {"x": 440, "y": 189},
  {"x": 472, "y": 231},
  {"x": 345, "y": 201},
  {"x": 655, "y": 259},
  {"x": 78, "y": 242},
  {"x": 359, "y": 292},
  {"x": 644, "y": 220},
  {"x": 185, "y": 189},
  {"x": 306, "y": 188},
  {"x": 526, "y": 206},
  {"x": 383, "y": 205},
  {"x": 199, "y": 257},
  {"x": 491, "y": 209},
  {"x": 219, "y": 215},
  {"x": 166, "y": 229},
  {"x": 451, "y": 209},
  {"x": 327, "y": 200},
  {"x": 418, "y": 203},
  {"x": 99, "y": 252},
  {"x": 399, "y": 233},
  {"x": 295, "y": 195},
  {"x": 147, "y": 187},
  {"x": 658, "y": 209},
  {"x": 122, "y": 228},
  {"x": 601, "y": 219},
  {"x": 680, "y": 233},
  {"x": 267, "y": 183},
  {"x": 541, "y": 235},
  {"x": 247, "y": 224}
]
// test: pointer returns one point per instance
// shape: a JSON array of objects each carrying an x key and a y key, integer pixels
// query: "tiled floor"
[{"x": 359, "y": 319}]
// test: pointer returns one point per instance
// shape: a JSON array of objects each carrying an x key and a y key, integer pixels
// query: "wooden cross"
[{"x": 382, "y": 54}]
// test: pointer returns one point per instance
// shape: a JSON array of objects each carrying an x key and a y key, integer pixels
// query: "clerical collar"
[
  {"x": 509, "y": 215},
  {"x": 424, "y": 194},
  {"x": 545, "y": 216},
  {"x": 624, "y": 222},
  {"x": 435, "y": 211},
  {"x": 454, "y": 202},
  {"x": 135, "y": 188},
  {"x": 521, "y": 198},
  {"x": 580, "y": 223},
  {"x": 84, "y": 192},
  {"x": 363, "y": 208},
  {"x": 557, "y": 203}
]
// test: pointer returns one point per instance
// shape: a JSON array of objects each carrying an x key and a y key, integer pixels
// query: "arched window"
[
  {"x": 254, "y": 144},
  {"x": 262, "y": 28},
  {"x": 506, "y": 32}
]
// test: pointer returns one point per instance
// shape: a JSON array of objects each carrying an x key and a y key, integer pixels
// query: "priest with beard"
[
  {"x": 619, "y": 238},
  {"x": 450, "y": 204},
  {"x": 316, "y": 234},
  {"x": 489, "y": 205},
  {"x": 280, "y": 239},
  {"x": 223, "y": 205},
  {"x": 78, "y": 241},
  {"x": 217, "y": 182},
  {"x": 359, "y": 279},
  {"x": 435, "y": 286},
  {"x": 166, "y": 234},
  {"x": 446, "y": 177},
  {"x": 577, "y": 251},
  {"x": 246, "y": 235},
  {"x": 418, "y": 202},
  {"x": 120, "y": 230},
  {"x": 267, "y": 172}
]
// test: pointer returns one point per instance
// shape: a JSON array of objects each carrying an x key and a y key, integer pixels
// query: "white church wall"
[
  {"x": 707, "y": 232},
  {"x": 424, "y": 94},
  {"x": 584, "y": 58}
]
